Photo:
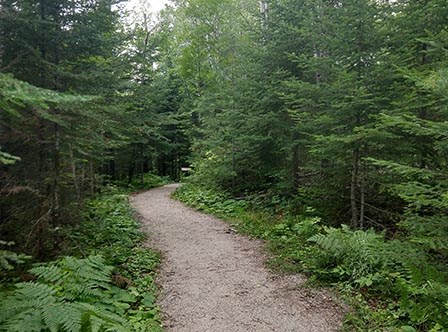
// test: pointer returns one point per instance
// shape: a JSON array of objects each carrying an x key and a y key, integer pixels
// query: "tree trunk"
[
  {"x": 43, "y": 42},
  {"x": 74, "y": 175},
  {"x": 146, "y": 165},
  {"x": 233, "y": 166},
  {"x": 354, "y": 188},
  {"x": 92, "y": 179},
  {"x": 83, "y": 177},
  {"x": 295, "y": 168},
  {"x": 56, "y": 174},
  {"x": 363, "y": 199},
  {"x": 112, "y": 169},
  {"x": 131, "y": 170}
]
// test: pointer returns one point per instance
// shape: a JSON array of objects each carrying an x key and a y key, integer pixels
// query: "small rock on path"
[{"x": 214, "y": 280}]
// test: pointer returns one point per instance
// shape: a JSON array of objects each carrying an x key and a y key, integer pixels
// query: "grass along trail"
[{"x": 214, "y": 280}]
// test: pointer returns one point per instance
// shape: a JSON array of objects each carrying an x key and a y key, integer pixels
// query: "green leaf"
[{"x": 408, "y": 329}]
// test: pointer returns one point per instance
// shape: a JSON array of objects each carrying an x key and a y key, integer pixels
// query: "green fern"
[
  {"x": 394, "y": 269},
  {"x": 9, "y": 259},
  {"x": 356, "y": 256},
  {"x": 70, "y": 295}
]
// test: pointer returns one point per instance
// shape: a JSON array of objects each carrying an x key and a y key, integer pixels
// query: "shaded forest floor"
[{"x": 215, "y": 280}]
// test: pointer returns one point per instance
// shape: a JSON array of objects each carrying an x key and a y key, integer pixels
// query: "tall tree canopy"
[{"x": 97, "y": 107}]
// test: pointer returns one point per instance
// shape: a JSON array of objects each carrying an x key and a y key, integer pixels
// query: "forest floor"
[{"x": 214, "y": 280}]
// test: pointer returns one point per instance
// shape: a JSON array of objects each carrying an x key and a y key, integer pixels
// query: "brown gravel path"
[{"x": 214, "y": 280}]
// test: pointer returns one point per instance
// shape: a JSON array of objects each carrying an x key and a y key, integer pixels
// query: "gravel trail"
[{"x": 214, "y": 280}]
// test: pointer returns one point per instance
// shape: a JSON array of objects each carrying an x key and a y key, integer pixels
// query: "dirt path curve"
[{"x": 214, "y": 280}]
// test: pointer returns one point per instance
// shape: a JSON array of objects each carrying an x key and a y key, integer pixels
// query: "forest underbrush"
[
  {"x": 103, "y": 279},
  {"x": 391, "y": 284}
]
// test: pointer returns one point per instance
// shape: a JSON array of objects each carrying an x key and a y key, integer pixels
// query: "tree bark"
[
  {"x": 92, "y": 178},
  {"x": 363, "y": 200},
  {"x": 56, "y": 174},
  {"x": 354, "y": 188},
  {"x": 74, "y": 175},
  {"x": 295, "y": 167},
  {"x": 233, "y": 166},
  {"x": 131, "y": 170}
]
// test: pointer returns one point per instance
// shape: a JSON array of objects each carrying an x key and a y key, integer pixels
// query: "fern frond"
[
  {"x": 332, "y": 241},
  {"x": 49, "y": 273},
  {"x": 71, "y": 295},
  {"x": 31, "y": 290},
  {"x": 104, "y": 318},
  {"x": 71, "y": 318},
  {"x": 356, "y": 255},
  {"x": 95, "y": 323},
  {"x": 27, "y": 321},
  {"x": 52, "y": 316}
]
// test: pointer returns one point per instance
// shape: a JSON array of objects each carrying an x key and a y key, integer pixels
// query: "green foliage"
[
  {"x": 356, "y": 256},
  {"x": 7, "y": 159},
  {"x": 111, "y": 290},
  {"x": 395, "y": 273},
  {"x": 68, "y": 295},
  {"x": 9, "y": 260},
  {"x": 389, "y": 283},
  {"x": 81, "y": 104},
  {"x": 111, "y": 229},
  {"x": 341, "y": 107},
  {"x": 310, "y": 108},
  {"x": 15, "y": 94},
  {"x": 146, "y": 181},
  {"x": 210, "y": 201}
]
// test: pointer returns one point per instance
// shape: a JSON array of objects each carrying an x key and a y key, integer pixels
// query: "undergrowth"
[
  {"x": 392, "y": 285},
  {"x": 105, "y": 281},
  {"x": 143, "y": 182}
]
